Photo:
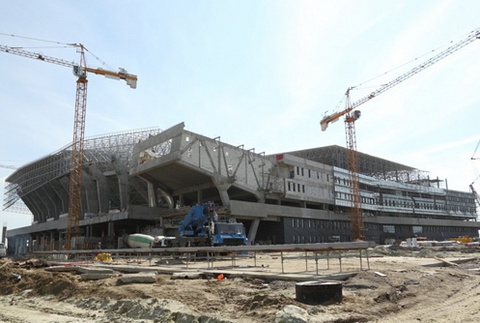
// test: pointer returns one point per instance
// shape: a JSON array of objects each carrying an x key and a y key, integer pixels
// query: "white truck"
[{"x": 139, "y": 240}]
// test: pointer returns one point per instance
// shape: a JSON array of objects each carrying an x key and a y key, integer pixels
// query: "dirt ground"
[{"x": 400, "y": 286}]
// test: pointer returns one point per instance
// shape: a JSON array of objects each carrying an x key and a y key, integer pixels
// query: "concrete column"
[
  {"x": 17, "y": 246},
  {"x": 152, "y": 195},
  {"x": 123, "y": 176},
  {"x": 102, "y": 189},
  {"x": 110, "y": 229},
  {"x": 30, "y": 243},
  {"x": 4, "y": 233},
  {"x": 252, "y": 233},
  {"x": 91, "y": 195},
  {"x": 43, "y": 239},
  {"x": 223, "y": 184},
  {"x": 60, "y": 241},
  {"x": 181, "y": 200}
]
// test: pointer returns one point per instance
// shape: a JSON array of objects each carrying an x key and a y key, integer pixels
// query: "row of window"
[
  {"x": 408, "y": 204},
  {"x": 314, "y": 174},
  {"x": 312, "y": 191},
  {"x": 417, "y": 229},
  {"x": 307, "y": 239},
  {"x": 320, "y": 224},
  {"x": 387, "y": 228},
  {"x": 460, "y": 199}
]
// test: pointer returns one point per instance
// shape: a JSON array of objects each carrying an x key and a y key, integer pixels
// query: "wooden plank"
[{"x": 446, "y": 261}]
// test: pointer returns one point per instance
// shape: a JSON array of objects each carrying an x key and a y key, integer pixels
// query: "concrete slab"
[{"x": 138, "y": 278}]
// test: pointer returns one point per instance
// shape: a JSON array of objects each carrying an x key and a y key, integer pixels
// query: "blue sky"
[{"x": 258, "y": 73}]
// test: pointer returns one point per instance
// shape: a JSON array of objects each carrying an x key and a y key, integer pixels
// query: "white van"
[{"x": 3, "y": 250}]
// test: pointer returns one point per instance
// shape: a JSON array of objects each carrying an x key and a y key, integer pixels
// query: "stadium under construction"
[{"x": 143, "y": 181}]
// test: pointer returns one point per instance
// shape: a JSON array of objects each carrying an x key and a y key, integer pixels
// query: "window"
[
  {"x": 417, "y": 229},
  {"x": 388, "y": 228}
]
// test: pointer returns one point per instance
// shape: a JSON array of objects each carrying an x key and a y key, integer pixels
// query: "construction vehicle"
[
  {"x": 351, "y": 115},
  {"x": 80, "y": 71},
  {"x": 140, "y": 240},
  {"x": 200, "y": 227},
  {"x": 463, "y": 239}
]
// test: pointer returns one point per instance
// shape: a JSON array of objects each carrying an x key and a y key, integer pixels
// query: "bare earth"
[{"x": 398, "y": 287}]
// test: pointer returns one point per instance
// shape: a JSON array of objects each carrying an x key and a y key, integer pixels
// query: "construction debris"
[
  {"x": 446, "y": 262},
  {"x": 138, "y": 278}
]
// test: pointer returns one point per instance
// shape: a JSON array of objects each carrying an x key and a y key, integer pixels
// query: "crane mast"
[
  {"x": 356, "y": 221},
  {"x": 351, "y": 115},
  {"x": 76, "y": 165}
]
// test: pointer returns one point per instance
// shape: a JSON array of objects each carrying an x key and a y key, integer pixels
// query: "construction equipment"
[
  {"x": 201, "y": 227},
  {"x": 477, "y": 197},
  {"x": 140, "y": 240},
  {"x": 80, "y": 71},
  {"x": 351, "y": 115},
  {"x": 8, "y": 166},
  {"x": 476, "y": 148}
]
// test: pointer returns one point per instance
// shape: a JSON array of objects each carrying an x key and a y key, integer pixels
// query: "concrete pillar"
[
  {"x": 17, "y": 246},
  {"x": 102, "y": 189},
  {"x": 223, "y": 184},
  {"x": 123, "y": 189},
  {"x": 252, "y": 233},
  {"x": 110, "y": 229},
  {"x": 91, "y": 195},
  {"x": 60, "y": 241},
  {"x": 42, "y": 242},
  {"x": 4, "y": 233},
  {"x": 152, "y": 194}
]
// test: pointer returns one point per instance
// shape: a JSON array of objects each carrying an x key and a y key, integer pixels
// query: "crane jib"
[{"x": 474, "y": 35}]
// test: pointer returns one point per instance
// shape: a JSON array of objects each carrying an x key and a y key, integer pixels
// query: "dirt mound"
[
  {"x": 16, "y": 277},
  {"x": 396, "y": 289}
]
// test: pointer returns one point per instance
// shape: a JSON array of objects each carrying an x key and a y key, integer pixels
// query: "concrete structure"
[{"x": 139, "y": 182}]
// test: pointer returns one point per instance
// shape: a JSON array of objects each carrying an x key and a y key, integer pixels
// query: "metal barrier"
[{"x": 189, "y": 257}]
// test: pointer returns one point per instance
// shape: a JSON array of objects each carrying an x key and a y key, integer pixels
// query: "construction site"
[
  {"x": 99, "y": 190},
  {"x": 145, "y": 181},
  {"x": 170, "y": 225}
]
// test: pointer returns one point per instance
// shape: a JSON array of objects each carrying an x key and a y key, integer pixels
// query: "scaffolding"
[
  {"x": 99, "y": 151},
  {"x": 368, "y": 165}
]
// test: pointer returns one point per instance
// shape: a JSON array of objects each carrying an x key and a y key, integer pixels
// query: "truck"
[
  {"x": 140, "y": 240},
  {"x": 201, "y": 227}
]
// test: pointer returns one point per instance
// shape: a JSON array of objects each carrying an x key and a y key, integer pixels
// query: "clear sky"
[{"x": 258, "y": 73}]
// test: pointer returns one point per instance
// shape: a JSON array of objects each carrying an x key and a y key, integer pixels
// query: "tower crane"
[
  {"x": 351, "y": 115},
  {"x": 80, "y": 71},
  {"x": 475, "y": 193},
  {"x": 8, "y": 166}
]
